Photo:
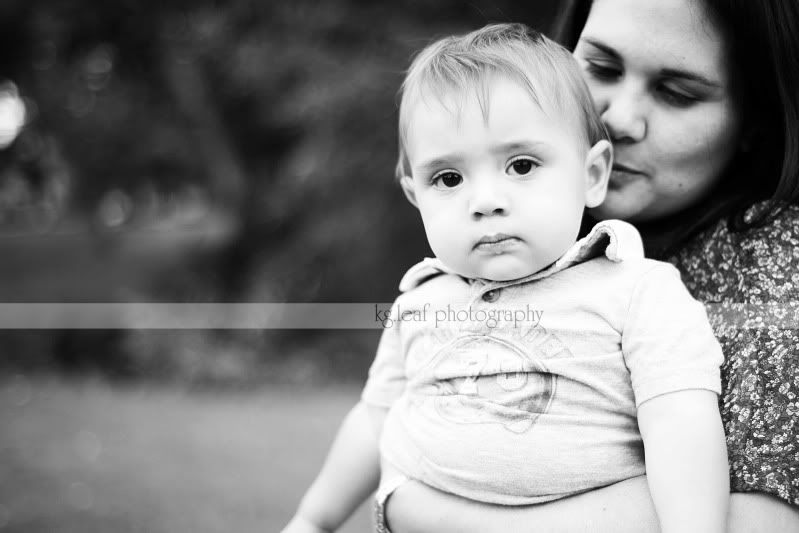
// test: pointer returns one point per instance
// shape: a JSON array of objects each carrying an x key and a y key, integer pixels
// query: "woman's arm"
[
  {"x": 625, "y": 507},
  {"x": 756, "y": 512}
]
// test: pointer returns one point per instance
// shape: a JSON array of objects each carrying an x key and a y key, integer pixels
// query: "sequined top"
[{"x": 749, "y": 282}]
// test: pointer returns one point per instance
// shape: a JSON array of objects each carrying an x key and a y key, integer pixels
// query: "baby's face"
[{"x": 500, "y": 199}]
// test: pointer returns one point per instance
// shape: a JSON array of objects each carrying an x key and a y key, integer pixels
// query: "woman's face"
[{"x": 658, "y": 73}]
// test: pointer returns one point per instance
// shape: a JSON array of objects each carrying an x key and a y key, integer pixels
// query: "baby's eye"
[
  {"x": 521, "y": 166},
  {"x": 447, "y": 180}
]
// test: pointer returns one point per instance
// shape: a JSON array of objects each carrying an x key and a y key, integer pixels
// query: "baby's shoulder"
[
  {"x": 628, "y": 272},
  {"x": 430, "y": 282},
  {"x": 423, "y": 271}
]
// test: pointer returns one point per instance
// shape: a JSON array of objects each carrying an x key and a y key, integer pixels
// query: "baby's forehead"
[{"x": 453, "y": 99}]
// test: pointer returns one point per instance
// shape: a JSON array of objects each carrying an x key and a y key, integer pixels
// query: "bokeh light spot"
[
  {"x": 12, "y": 113},
  {"x": 115, "y": 208}
]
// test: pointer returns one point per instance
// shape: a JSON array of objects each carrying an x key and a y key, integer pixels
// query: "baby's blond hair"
[{"x": 459, "y": 64}]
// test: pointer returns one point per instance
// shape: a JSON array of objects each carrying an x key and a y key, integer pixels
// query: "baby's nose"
[{"x": 489, "y": 200}]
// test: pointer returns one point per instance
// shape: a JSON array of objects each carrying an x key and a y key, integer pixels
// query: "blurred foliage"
[{"x": 281, "y": 115}]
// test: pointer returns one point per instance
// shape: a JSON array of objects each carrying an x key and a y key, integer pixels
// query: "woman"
[{"x": 701, "y": 98}]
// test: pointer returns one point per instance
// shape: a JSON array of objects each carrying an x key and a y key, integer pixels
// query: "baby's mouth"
[{"x": 496, "y": 243}]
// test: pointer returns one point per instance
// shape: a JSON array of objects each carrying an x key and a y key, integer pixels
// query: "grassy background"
[{"x": 85, "y": 456}]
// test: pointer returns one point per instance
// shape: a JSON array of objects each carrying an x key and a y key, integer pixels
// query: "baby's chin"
[
  {"x": 509, "y": 275},
  {"x": 501, "y": 269}
]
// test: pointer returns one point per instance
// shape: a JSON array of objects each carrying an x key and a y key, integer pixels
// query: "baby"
[{"x": 501, "y": 151}]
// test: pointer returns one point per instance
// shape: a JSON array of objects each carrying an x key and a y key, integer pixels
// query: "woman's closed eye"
[
  {"x": 607, "y": 71},
  {"x": 604, "y": 71},
  {"x": 521, "y": 166},
  {"x": 446, "y": 179},
  {"x": 676, "y": 96}
]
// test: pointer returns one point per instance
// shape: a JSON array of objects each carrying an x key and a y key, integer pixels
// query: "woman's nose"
[
  {"x": 624, "y": 114},
  {"x": 488, "y": 199}
]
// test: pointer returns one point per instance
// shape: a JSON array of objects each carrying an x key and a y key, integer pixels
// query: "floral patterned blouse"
[{"x": 749, "y": 282}]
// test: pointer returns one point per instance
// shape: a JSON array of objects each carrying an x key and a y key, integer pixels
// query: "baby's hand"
[{"x": 299, "y": 524}]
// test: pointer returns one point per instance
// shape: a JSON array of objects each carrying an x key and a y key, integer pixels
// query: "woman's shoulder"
[
  {"x": 760, "y": 264},
  {"x": 779, "y": 229}
]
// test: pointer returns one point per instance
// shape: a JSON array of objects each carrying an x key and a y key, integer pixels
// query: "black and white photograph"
[{"x": 422, "y": 266}]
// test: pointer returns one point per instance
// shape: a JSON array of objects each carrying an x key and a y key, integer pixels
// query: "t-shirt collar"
[{"x": 615, "y": 239}]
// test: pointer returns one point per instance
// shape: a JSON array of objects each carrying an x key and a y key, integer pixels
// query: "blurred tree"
[{"x": 283, "y": 112}]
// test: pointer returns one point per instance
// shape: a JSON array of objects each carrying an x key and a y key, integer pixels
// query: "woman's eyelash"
[
  {"x": 602, "y": 72},
  {"x": 671, "y": 96},
  {"x": 677, "y": 98}
]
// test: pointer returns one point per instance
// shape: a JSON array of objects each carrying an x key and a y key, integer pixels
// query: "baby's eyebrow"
[
  {"x": 439, "y": 162},
  {"x": 456, "y": 159},
  {"x": 516, "y": 146}
]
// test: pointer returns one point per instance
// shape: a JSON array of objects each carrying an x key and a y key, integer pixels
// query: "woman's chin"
[{"x": 620, "y": 207}]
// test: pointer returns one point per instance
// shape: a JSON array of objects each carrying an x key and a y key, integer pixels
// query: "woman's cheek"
[
  {"x": 691, "y": 150},
  {"x": 597, "y": 91}
]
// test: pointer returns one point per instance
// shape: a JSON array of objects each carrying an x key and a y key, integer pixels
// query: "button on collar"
[{"x": 491, "y": 296}]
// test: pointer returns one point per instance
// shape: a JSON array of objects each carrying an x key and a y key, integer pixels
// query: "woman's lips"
[
  {"x": 622, "y": 175},
  {"x": 497, "y": 243}
]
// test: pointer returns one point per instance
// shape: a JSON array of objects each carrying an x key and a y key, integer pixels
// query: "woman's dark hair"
[{"x": 763, "y": 43}]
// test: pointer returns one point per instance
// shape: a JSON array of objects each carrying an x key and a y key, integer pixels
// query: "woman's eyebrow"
[
  {"x": 666, "y": 72},
  {"x": 602, "y": 47}
]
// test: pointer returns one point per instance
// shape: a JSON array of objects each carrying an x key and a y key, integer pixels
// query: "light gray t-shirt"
[{"x": 526, "y": 391}]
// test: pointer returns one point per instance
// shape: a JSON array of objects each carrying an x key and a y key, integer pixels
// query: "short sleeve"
[
  {"x": 667, "y": 341},
  {"x": 386, "y": 381}
]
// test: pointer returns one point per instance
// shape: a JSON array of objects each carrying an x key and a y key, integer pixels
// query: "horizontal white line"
[{"x": 784, "y": 315}]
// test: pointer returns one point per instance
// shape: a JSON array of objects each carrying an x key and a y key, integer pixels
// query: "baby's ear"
[
  {"x": 598, "y": 164},
  {"x": 406, "y": 182}
]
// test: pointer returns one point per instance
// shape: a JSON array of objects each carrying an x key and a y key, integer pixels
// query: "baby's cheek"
[{"x": 443, "y": 242}]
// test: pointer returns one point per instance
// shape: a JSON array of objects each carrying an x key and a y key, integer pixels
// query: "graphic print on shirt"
[{"x": 487, "y": 379}]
